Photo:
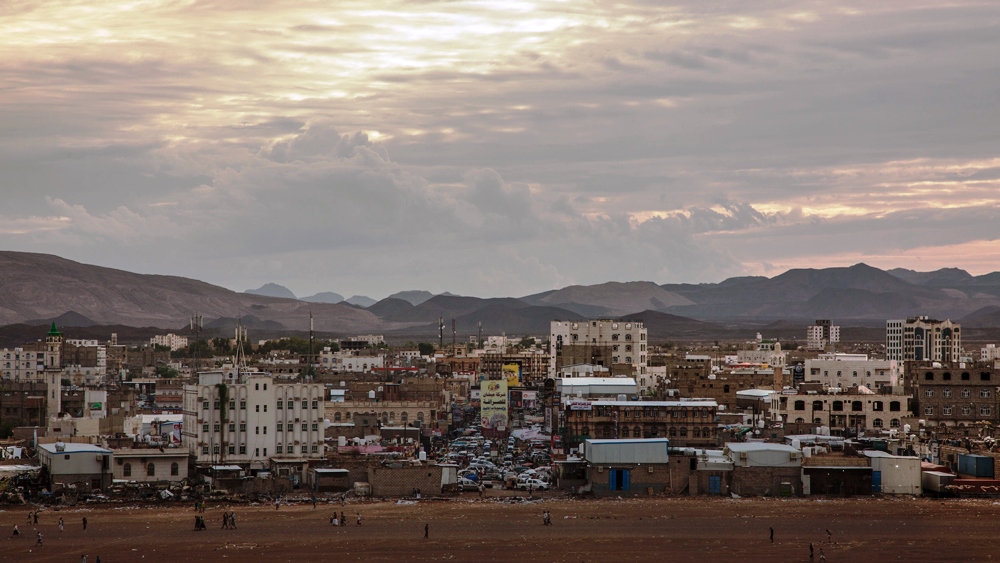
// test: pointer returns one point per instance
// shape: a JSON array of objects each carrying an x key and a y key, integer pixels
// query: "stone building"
[
  {"x": 618, "y": 345},
  {"x": 849, "y": 411},
  {"x": 956, "y": 397},
  {"x": 685, "y": 422}
]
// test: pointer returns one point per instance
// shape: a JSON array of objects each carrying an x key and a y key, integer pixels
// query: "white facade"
[
  {"x": 171, "y": 340},
  {"x": 821, "y": 334},
  {"x": 769, "y": 357},
  {"x": 627, "y": 340},
  {"x": 990, "y": 353},
  {"x": 350, "y": 361},
  {"x": 923, "y": 339},
  {"x": 263, "y": 420},
  {"x": 495, "y": 344},
  {"x": 851, "y": 370},
  {"x": 19, "y": 365},
  {"x": 842, "y": 410}
]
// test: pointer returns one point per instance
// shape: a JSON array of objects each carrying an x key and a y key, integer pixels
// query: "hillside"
[
  {"x": 41, "y": 286},
  {"x": 610, "y": 299}
]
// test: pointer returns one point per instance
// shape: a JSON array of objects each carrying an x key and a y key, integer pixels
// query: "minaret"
[{"x": 53, "y": 371}]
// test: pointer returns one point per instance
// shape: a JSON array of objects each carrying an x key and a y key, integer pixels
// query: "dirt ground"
[{"x": 467, "y": 529}]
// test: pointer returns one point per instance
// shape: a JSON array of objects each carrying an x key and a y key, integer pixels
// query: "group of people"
[
  {"x": 546, "y": 518},
  {"x": 812, "y": 548},
  {"x": 339, "y": 522},
  {"x": 229, "y": 520}
]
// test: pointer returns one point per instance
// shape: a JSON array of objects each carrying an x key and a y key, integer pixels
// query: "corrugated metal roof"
[
  {"x": 686, "y": 403},
  {"x": 759, "y": 447},
  {"x": 564, "y": 381},
  {"x": 74, "y": 449}
]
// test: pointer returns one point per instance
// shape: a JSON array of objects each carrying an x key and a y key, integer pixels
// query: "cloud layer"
[{"x": 499, "y": 148}]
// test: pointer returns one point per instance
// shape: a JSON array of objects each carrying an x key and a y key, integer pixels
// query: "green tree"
[
  {"x": 166, "y": 371},
  {"x": 221, "y": 345},
  {"x": 426, "y": 349}
]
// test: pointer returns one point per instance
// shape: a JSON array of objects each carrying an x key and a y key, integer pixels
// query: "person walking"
[
  {"x": 83, "y": 558},
  {"x": 35, "y": 517},
  {"x": 810, "y": 552},
  {"x": 39, "y": 542},
  {"x": 426, "y": 530},
  {"x": 225, "y": 520},
  {"x": 61, "y": 524},
  {"x": 829, "y": 536},
  {"x": 84, "y": 523},
  {"x": 359, "y": 519},
  {"x": 822, "y": 556},
  {"x": 17, "y": 533},
  {"x": 276, "y": 503},
  {"x": 343, "y": 519},
  {"x": 29, "y": 518},
  {"x": 232, "y": 520},
  {"x": 772, "y": 534}
]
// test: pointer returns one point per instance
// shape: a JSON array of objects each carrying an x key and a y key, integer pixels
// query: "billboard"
[
  {"x": 493, "y": 404},
  {"x": 579, "y": 405},
  {"x": 512, "y": 373}
]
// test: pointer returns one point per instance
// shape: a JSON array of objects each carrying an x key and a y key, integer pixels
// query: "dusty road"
[{"x": 465, "y": 529}]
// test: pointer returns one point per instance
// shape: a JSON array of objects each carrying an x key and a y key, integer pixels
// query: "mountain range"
[{"x": 36, "y": 289}]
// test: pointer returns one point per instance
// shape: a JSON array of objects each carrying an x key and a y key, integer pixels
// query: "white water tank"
[
  {"x": 371, "y": 395},
  {"x": 422, "y": 456}
]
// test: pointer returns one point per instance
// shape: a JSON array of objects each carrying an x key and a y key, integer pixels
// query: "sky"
[{"x": 499, "y": 148}]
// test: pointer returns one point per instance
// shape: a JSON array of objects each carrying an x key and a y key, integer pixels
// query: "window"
[
  {"x": 894, "y": 423},
  {"x": 265, "y": 408},
  {"x": 946, "y": 410},
  {"x": 877, "y": 423},
  {"x": 243, "y": 449},
  {"x": 305, "y": 405},
  {"x": 256, "y": 386},
  {"x": 127, "y": 469},
  {"x": 965, "y": 376},
  {"x": 215, "y": 405},
  {"x": 280, "y": 403},
  {"x": 946, "y": 376},
  {"x": 856, "y": 406},
  {"x": 265, "y": 430},
  {"x": 984, "y": 376},
  {"x": 256, "y": 429},
  {"x": 877, "y": 406},
  {"x": 985, "y": 410},
  {"x": 894, "y": 406},
  {"x": 232, "y": 449},
  {"x": 265, "y": 387},
  {"x": 215, "y": 450},
  {"x": 614, "y": 337},
  {"x": 232, "y": 405},
  {"x": 204, "y": 427},
  {"x": 215, "y": 428},
  {"x": 817, "y": 405},
  {"x": 256, "y": 452},
  {"x": 204, "y": 405},
  {"x": 984, "y": 393},
  {"x": 204, "y": 450},
  {"x": 232, "y": 427},
  {"x": 946, "y": 393},
  {"x": 315, "y": 449},
  {"x": 243, "y": 427},
  {"x": 837, "y": 406},
  {"x": 628, "y": 337},
  {"x": 315, "y": 427},
  {"x": 281, "y": 427},
  {"x": 684, "y": 431},
  {"x": 278, "y": 449},
  {"x": 256, "y": 408},
  {"x": 929, "y": 376},
  {"x": 929, "y": 393},
  {"x": 175, "y": 469},
  {"x": 243, "y": 405},
  {"x": 966, "y": 410},
  {"x": 315, "y": 405},
  {"x": 928, "y": 410},
  {"x": 673, "y": 431},
  {"x": 336, "y": 416},
  {"x": 625, "y": 432},
  {"x": 305, "y": 426},
  {"x": 696, "y": 432},
  {"x": 966, "y": 393},
  {"x": 725, "y": 388},
  {"x": 800, "y": 405}
]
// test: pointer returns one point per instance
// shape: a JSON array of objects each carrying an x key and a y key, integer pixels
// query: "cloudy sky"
[{"x": 499, "y": 147}]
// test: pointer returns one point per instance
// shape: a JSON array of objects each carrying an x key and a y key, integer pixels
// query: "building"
[
  {"x": 375, "y": 413},
  {"x": 686, "y": 422},
  {"x": 151, "y": 465},
  {"x": 850, "y": 411},
  {"x": 619, "y": 345},
  {"x": 171, "y": 340},
  {"x": 616, "y": 467},
  {"x": 591, "y": 387},
  {"x": 922, "y": 339},
  {"x": 961, "y": 398},
  {"x": 851, "y": 370},
  {"x": 530, "y": 366},
  {"x": 83, "y": 465},
  {"x": 251, "y": 419},
  {"x": 350, "y": 361},
  {"x": 821, "y": 334},
  {"x": 763, "y": 469},
  {"x": 990, "y": 353}
]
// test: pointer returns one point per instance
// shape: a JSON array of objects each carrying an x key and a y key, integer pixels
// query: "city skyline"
[{"x": 499, "y": 148}]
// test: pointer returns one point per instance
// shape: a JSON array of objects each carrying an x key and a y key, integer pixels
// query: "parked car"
[
  {"x": 467, "y": 484},
  {"x": 536, "y": 484}
]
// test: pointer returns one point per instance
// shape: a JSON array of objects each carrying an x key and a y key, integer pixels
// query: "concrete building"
[
  {"x": 593, "y": 387},
  {"x": 763, "y": 469},
  {"x": 956, "y": 397},
  {"x": 350, "y": 361},
  {"x": 250, "y": 419},
  {"x": 850, "y": 370},
  {"x": 821, "y": 334},
  {"x": 895, "y": 475},
  {"x": 990, "y": 353},
  {"x": 842, "y": 411},
  {"x": 85, "y": 466},
  {"x": 622, "y": 467},
  {"x": 619, "y": 345},
  {"x": 685, "y": 422},
  {"x": 151, "y": 465},
  {"x": 531, "y": 365},
  {"x": 922, "y": 339}
]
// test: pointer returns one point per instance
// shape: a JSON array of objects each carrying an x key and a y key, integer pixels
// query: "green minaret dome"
[{"x": 54, "y": 331}]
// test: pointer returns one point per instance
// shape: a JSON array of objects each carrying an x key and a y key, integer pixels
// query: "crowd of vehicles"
[{"x": 510, "y": 464}]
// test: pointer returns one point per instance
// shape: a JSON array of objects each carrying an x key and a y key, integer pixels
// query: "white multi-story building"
[
  {"x": 171, "y": 341},
  {"x": 22, "y": 365},
  {"x": 850, "y": 370},
  {"x": 922, "y": 339},
  {"x": 990, "y": 353},
  {"x": 860, "y": 411},
  {"x": 496, "y": 344},
  {"x": 253, "y": 421},
  {"x": 350, "y": 361},
  {"x": 821, "y": 334},
  {"x": 601, "y": 342}
]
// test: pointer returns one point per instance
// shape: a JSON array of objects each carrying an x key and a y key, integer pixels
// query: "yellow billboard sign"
[
  {"x": 512, "y": 374},
  {"x": 493, "y": 403}
]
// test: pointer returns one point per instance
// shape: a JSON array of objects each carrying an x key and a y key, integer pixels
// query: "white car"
[{"x": 536, "y": 484}]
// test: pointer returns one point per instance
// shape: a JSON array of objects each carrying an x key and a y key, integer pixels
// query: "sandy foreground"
[{"x": 467, "y": 529}]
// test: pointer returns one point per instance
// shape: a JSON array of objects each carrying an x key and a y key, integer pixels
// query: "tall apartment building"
[
  {"x": 254, "y": 421},
  {"x": 170, "y": 340},
  {"x": 923, "y": 339},
  {"x": 851, "y": 370},
  {"x": 821, "y": 334},
  {"x": 619, "y": 345}
]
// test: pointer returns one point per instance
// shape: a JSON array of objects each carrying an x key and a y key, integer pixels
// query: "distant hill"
[
  {"x": 272, "y": 290},
  {"x": 69, "y": 318},
  {"x": 945, "y": 277},
  {"x": 42, "y": 286},
  {"x": 414, "y": 297},
  {"x": 664, "y": 326},
  {"x": 360, "y": 300},
  {"x": 324, "y": 297},
  {"x": 987, "y": 317},
  {"x": 611, "y": 298}
]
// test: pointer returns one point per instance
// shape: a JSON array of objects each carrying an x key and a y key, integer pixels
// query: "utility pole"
[
  {"x": 480, "y": 341},
  {"x": 440, "y": 332},
  {"x": 197, "y": 321},
  {"x": 454, "y": 335},
  {"x": 309, "y": 359}
]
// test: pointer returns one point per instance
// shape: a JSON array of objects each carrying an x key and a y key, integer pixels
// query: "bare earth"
[{"x": 466, "y": 529}]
